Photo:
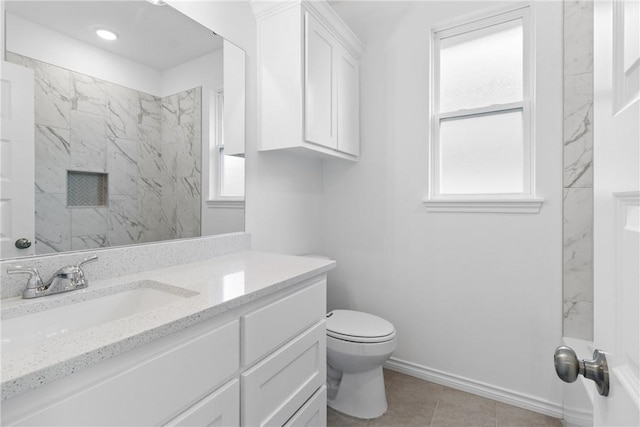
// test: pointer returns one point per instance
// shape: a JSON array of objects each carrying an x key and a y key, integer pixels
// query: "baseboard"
[
  {"x": 474, "y": 387},
  {"x": 574, "y": 417}
]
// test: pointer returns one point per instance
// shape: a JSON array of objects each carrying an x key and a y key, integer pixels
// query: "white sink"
[{"x": 35, "y": 321}]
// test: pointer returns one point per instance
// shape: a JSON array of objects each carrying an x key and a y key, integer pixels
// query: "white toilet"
[{"x": 357, "y": 346}]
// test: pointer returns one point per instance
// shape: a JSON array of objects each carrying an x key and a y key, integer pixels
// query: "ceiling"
[{"x": 157, "y": 36}]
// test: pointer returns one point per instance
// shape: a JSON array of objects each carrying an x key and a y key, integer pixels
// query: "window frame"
[
  {"x": 217, "y": 160},
  {"x": 524, "y": 202}
]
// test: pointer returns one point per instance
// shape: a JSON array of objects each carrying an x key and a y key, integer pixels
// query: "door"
[
  {"x": 320, "y": 85},
  {"x": 17, "y": 212},
  {"x": 348, "y": 88},
  {"x": 617, "y": 207}
]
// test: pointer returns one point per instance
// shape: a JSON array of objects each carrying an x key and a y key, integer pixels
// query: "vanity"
[{"x": 237, "y": 339}]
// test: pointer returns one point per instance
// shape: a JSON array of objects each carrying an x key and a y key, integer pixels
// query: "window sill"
[
  {"x": 518, "y": 206},
  {"x": 225, "y": 203}
]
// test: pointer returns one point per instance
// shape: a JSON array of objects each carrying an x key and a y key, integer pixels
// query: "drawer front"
[
  {"x": 271, "y": 326},
  {"x": 221, "y": 408},
  {"x": 313, "y": 413},
  {"x": 274, "y": 389},
  {"x": 153, "y": 391}
]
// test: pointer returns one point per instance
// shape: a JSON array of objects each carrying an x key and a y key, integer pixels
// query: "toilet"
[{"x": 357, "y": 345}]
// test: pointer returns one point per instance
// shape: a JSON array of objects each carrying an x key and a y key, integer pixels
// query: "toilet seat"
[{"x": 356, "y": 326}]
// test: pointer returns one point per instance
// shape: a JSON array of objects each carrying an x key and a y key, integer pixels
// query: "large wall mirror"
[{"x": 137, "y": 139}]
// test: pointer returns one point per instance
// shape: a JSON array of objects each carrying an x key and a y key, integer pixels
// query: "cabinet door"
[
  {"x": 220, "y": 408},
  {"x": 276, "y": 388},
  {"x": 320, "y": 85},
  {"x": 348, "y": 82},
  {"x": 135, "y": 392},
  {"x": 313, "y": 413},
  {"x": 271, "y": 326}
]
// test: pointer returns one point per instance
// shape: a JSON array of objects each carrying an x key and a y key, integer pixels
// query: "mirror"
[{"x": 138, "y": 139}]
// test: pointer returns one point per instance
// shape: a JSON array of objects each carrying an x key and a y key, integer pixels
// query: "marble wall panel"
[
  {"x": 123, "y": 107},
  {"x": 578, "y": 36},
  {"x": 149, "y": 146},
  {"x": 122, "y": 166},
  {"x": 88, "y": 133},
  {"x": 578, "y": 170},
  {"x": 88, "y": 94},
  {"x": 578, "y": 131},
  {"x": 181, "y": 148},
  {"x": 53, "y": 223},
  {"x": 578, "y": 319},
  {"x": 52, "y": 95},
  {"x": 92, "y": 241},
  {"x": 53, "y": 157},
  {"x": 578, "y": 244},
  {"x": 89, "y": 221},
  {"x": 124, "y": 226}
]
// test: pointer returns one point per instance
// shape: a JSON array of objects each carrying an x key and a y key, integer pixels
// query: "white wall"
[
  {"x": 475, "y": 298},
  {"x": 283, "y": 192},
  {"x": 36, "y": 41}
]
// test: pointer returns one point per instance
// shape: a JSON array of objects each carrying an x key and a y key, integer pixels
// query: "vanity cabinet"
[
  {"x": 309, "y": 81},
  {"x": 263, "y": 363}
]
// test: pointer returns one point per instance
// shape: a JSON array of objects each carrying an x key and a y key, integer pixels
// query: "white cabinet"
[
  {"x": 220, "y": 408},
  {"x": 257, "y": 364},
  {"x": 348, "y": 103},
  {"x": 274, "y": 324},
  {"x": 146, "y": 386},
  {"x": 274, "y": 390},
  {"x": 308, "y": 77},
  {"x": 313, "y": 413}
]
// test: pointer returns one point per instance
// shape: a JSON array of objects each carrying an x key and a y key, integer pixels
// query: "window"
[
  {"x": 228, "y": 174},
  {"x": 481, "y": 144}
]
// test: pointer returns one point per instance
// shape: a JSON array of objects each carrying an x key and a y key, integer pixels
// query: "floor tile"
[
  {"x": 417, "y": 403},
  {"x": 510, "y": 416},
  {"x": 337, "y": 419},
  {"x": 405, "y": 388},
  {"x": 406, "y": 414}
]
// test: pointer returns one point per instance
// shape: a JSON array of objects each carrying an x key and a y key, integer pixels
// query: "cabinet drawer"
[
  {"x": 221, "y": 408},
  {"x": 274, "y": 389},
  {"x": 313, "y": 413},
  {"x": 148, "y": 392},
  {"x": 271, "y": 326}
]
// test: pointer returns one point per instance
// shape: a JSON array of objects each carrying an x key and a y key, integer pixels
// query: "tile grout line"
[{"x": 436, "y": 408}]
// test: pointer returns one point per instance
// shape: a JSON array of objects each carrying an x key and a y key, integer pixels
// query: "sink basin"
[{"x": 36, "y": 321}]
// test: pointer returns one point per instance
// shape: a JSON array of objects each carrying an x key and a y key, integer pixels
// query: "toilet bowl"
[{"x": 357, "y": 345}]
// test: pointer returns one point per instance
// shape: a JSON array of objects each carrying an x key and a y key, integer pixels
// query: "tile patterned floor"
[{"x": 414, "y": 402}]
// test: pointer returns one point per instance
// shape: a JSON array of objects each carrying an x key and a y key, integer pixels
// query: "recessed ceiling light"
[
  {"x": 106, "y": 34},
  {"x": 157, "y": 2}
]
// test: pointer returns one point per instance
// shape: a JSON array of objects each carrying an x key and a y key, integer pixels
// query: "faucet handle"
[
  {"x": 79, "y": 280},
  {"x": 86, "y": 260},
  {"x": 35, "y": 281}
]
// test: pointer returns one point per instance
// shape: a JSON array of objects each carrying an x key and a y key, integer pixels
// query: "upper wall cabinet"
[{"x": 308, "y": 79}]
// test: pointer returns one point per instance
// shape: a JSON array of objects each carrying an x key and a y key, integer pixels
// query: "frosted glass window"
[
  {"x": 482, "y": 67},
  {"x": 232, "y": 176},
  {"x": 482, "y": 154}
]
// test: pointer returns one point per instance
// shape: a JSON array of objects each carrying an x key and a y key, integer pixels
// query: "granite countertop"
[{"x": 210, "y": 287}]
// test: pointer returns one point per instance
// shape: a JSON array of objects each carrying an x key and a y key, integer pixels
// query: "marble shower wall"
[
  {"x": 578, "y": 170},
  {"x": 148, "y": 146}
]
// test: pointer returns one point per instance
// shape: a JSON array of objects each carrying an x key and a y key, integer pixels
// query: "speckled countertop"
[{"x": 210, "y": 287}]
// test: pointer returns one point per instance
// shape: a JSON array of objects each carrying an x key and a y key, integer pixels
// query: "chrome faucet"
[{"x": 67, "y": 278}]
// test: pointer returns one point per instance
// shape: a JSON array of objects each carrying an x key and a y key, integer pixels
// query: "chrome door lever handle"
[{"x": 568, "y": 367}]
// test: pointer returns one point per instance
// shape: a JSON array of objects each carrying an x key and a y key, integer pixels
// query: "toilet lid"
[{"x": 357, "y": 326}]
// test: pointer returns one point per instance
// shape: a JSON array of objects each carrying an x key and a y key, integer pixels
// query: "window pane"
[
  {"x": 232, "y": 176},
  {"x": 482, "y": 154},
  {"x": 482, "y": 67}
]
